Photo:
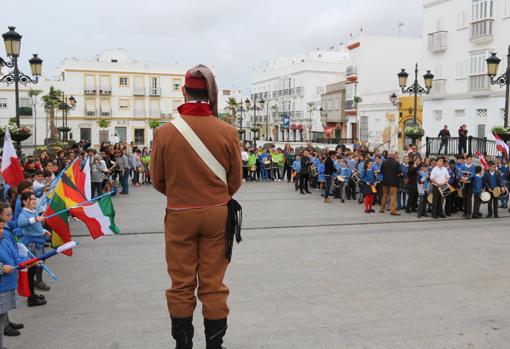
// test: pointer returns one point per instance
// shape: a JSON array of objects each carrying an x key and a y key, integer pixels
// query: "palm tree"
[
  {"x": 51, "y": 101},
  {"x": 232, "y": 107},
  {"x": 33, "y": 93}
]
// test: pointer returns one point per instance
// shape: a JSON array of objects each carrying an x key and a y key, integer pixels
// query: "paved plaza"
[{"x": 307, "y": 275}]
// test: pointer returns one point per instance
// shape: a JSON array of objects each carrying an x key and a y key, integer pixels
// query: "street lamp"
[
  {"x": 247, "y": 102},
  {"x": 503, "y": 80},
  {"x": 66, "y": 104},
  {"x": 394, "y": 99},
  {"x": 415, "y": 89},
  {"x": 12, "y": 41}
]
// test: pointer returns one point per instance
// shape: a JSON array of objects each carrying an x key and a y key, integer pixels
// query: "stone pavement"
[{"x": 307, "y": 275}]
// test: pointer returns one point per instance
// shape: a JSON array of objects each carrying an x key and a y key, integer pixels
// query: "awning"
[
  {"x": 293, "y": 127},
  {"x": 300, "y": 127}
]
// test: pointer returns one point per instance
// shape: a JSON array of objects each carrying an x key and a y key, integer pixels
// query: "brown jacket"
[{"x": 180, "y": 174}]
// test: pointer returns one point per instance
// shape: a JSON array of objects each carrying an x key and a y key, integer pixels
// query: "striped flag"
[
  {"x": 501, "y": 145},
  {"x": 484, "y": 163}
]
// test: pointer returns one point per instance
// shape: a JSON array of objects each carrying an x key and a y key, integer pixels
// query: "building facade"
[
  {"x": 334, "y": 119},
  {"x": 291, "y": 88},
  {"x": 371, "y": 78},
  {"x": 459, "y": 36},
  {"x": 127, "y": 93}
]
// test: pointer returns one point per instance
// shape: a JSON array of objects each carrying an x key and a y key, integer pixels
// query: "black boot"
[
  {"x": 214, "y": 332},
  {"x": 182, "y": 332}
]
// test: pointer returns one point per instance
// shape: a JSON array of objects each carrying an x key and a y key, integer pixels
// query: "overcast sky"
[{"x": 231, "y": 36}]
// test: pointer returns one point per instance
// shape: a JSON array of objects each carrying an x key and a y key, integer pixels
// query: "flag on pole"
[
  {"x": 11, "y": 169},
  {"x": 87, "y": 179},
  {"x": 484, "y": 163},
  {"x": 99, "y": 217},
  {"x": 501, "y": 145}
]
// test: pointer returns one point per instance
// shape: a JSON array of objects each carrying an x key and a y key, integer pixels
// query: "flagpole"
[
  {"x": 45, "y": 268},
  {"x": 80, "y": 204}
]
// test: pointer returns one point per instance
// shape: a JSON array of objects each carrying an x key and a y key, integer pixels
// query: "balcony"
[
  {"x": 155, "y": 92},
  {"x": 482, "y": 30},
  {"x": 438, "y": 41},
  {"x": 105, "y": 90},
  {"x": 479, "y": 83},
  {"x": 90, "y": 90},
  {"x": 438, "y": 88},
  {"x": 139, "y": 112},
  {"x": 351, "y": 70},
  {"x": 350, "y": 104},
  {"x": 138, "y": 91},
  {"x": 106, "y": 113},
  {"x": 90, "y": 113}
]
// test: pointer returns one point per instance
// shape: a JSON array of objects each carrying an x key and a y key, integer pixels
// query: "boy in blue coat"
[{"x": 477, "y": 190}]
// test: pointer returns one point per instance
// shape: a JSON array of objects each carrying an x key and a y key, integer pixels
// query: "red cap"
[{"x": 195, "y": 82}]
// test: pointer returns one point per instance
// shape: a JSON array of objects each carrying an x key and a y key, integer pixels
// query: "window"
[
  {"x": 121, "y": 133},
  {"x": 438, "y": 115},
  {"x": 155, "y": 89},
  {"x": 461, "y": 20},
  {"x": 176, "y": 83},
  {"x": 337, "y": 104},
  {"x": 90, "y": 107},
  {"x": 124, "y": 104},
  {"x": 363, "y": 128},
  {"x": 439, "y": 24},
  {"x": 481, "y": 131},
  {"x": 106, "y": 109},
  {"x": 478, "y": 65},
  {"x": 139, "y": 136},
  {"x": 502, "y": 113},
  {"x": 460, "y": 72},
  {"x": 481, "y": 113},
  {"x": 3, "y": 103},
  {"x": 460, "y": 113},
  {"x": 85, "y": 133},
  {"x": 25, "y": 102},
  {"x": 350, "y": 92},
  {"x": 330, "y": 104},
  {"x": 481, "y": 9},
  {"x": 123, "y": 81}
]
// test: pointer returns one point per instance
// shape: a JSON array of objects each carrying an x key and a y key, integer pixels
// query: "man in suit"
[
  {"x": 390, "y": 170},
  {"x": 491, "y": 180}
]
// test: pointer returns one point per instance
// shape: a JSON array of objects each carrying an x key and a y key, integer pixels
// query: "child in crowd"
[
  {"x": 423, "y": 188},
  {"x": 477, "y": 190},
  {"x": 296, "y": 167},
  {"x": 368, "y": 179}
]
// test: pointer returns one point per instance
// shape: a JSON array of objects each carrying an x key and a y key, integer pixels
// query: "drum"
[
  {"x": 356, "y": 177},
  {"x": 485, "y": 196},
  {"x": 374, "y": 189},
  {"x": 293, "y": 174},
  {"x": 430, "y": 198},
  {"x": 445, "y": 190},
  {"x": 267, "y": 164},
  {"x": 337, "y": 181},
  {"x": 253, "y": 168},
  {"x": 496, "y": 192}
]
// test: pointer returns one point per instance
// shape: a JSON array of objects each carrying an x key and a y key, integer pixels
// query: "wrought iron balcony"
[
  {"x": 155, "y": 91},
  {"x": 482, "y": 30},
  {"x": 105, "y": 90},
  {"x": 90, "y": 90},
  {"x": 438, "y": 41}
]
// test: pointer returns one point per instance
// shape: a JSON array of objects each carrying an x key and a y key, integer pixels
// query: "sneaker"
[{"x": 10, "y": 332}]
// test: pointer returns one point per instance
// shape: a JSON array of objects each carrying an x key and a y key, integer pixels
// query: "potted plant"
[
  {"x": 414, "y": 132},
  {"x": 18, "y": 134},
  {"x": 103, "y": 123},
  {"x": 254, "y": 129},
  {"x": 64, "y": 129},
  {"x": 502, "y": 132}
]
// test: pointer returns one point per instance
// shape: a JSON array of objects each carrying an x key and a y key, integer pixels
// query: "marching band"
[{"x": 436, "y": 186}]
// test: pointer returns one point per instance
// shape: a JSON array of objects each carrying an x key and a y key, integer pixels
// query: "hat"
[{"x": 201, "y": 77}]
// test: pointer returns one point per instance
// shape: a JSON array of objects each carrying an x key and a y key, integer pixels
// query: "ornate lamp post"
[
  {"x": 415, "y": 89},
  {"x": 12, "y": 41},
  {"x": 66, "y": 104},
  {"x": 503, "y": 80},
  {"x": 247, "y": 102}
]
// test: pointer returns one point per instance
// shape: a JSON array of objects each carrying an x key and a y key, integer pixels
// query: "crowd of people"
[
  {"x": 396, "y": 182},
  {"x": 112, "y": 168}
]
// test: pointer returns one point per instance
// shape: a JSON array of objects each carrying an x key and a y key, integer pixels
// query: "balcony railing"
[
  {"x": 351, "y": 70},
  {"x": 90, "y": 90},
  {"x": 479, "y": 83},
  {"x": 138, "y": 91},
  {"x": 438, "y": 87},
  {"x": 438, "y": 41},
  {"x": 106, "y": 113},
  {"x": 90, "y": 112},
  {"x": 105, "y": 90},
  {"x": 482, "y": 30},
  {"x": 350, "y": 104},
  {"x": 155, "y": 91}
]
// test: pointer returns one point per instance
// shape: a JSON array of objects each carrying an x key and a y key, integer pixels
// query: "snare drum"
[
  {"x": 485, "y": 196},
  {"x": 445, "y": 190}
]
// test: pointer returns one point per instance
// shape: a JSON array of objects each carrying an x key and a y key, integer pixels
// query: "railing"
[
  {"x": 138, "y": 91},
  {"x": 438, "y": 87},
  {"x": 90, "y": 112},
  {"x": 106, "y": 113},
  {"x": 452, "y": 146},
  {"x": 482, "y": 29},
  {"x": 350, "y": 104},
  {"x": 438, "y": 41},
  {"x": 89, "y": 90},
  {"x": 155, "y": 91},
  {"x": 105, "y": 90},
  {"x": 351, "y": 70},
  {"x": 479, "y": 83}
]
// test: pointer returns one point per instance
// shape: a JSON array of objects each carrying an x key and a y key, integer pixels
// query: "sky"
[{"x": 230, "y": 36}]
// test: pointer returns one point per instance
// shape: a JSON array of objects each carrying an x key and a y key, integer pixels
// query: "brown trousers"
[
  {"x": 195, "y": 255},
  {"x": 392, "y": 191}
]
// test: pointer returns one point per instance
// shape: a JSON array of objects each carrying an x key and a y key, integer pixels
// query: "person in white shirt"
[
  {"x": 244, "y": 157},
  {"x": 438, "y": 177}
]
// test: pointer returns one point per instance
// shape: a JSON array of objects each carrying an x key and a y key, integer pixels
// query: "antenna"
[{"x": 401, "y": 25}]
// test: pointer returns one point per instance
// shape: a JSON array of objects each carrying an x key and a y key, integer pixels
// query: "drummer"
[
  {"x": 477, "y": 191},
  {"x": 491, "y": 181}
]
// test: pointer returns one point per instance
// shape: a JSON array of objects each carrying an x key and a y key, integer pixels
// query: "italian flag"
[
  {"x": 11, "y": 169},
  {"x": 99, "y": 217}
]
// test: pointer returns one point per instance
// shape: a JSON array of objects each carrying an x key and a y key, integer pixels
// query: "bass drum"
[{"x": 430, "y": 198}]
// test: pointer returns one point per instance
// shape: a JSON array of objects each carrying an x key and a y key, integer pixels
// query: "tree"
[
  {"x": 51, "y": 102},
  {"x": 231, "y": 108},
  {"x": 311, "y": 108},
  {"x": 154, "y": 124},
  {"x": 33, "y": 93}
]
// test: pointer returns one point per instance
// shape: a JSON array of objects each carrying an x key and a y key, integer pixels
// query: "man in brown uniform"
[{"x": 196, "y": 212}]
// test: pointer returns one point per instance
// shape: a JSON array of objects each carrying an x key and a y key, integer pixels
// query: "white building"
[
  {"x": 371, "y": 76},
  {"x": 458, "y": 37},
  {"x": 292, "y": 87},
  {"x": 223, "y": 97},
  {"x": 127, "y": 93}
]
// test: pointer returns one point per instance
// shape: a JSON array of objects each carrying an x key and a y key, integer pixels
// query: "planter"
[
  {"x": 20, "y": 137},
  {"x": 254, "y": 129},
  {"x": 64, "y": 129},
  {"x": 414, "y": 136},
  {"x": 241, "y": 131}
]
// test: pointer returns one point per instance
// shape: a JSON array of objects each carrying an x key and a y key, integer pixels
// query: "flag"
[
  {"x": 11, "y": 169},
  {"x": 484, "y": 163},
  {"x": 99, "y": 217},
  {"x": 87, "y": 181},
  {"x": 501, "y": 145}
]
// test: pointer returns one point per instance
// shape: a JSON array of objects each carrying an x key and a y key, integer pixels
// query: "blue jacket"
[
  {"x": 32, "y": 230},
  {"x": 296, "y": 166},
  {"x": 470, "y": 169},
  {"x": 368, "y": 177},
  {"x": 477, "y": 184},
  {"x": 490, "y": 181},
  {"x": 9, "y": 255},
  {"x": 345, "y": 172},
  {"x": 15, "y": 215}
]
